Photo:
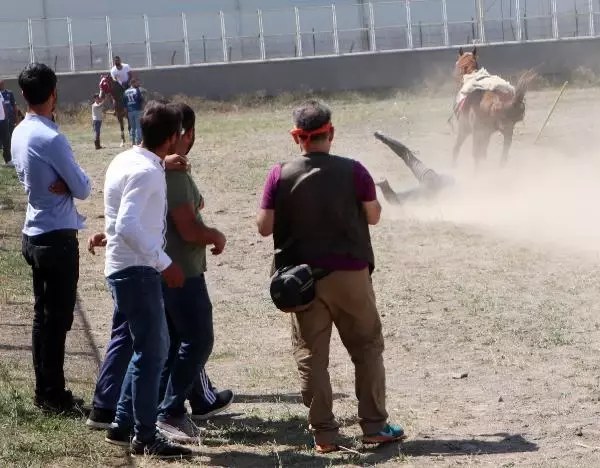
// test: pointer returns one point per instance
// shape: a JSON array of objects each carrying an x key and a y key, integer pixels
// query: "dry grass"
[{"x": 460, "y": 290}]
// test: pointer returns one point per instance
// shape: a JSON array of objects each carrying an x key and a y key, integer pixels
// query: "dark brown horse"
[
  {"x": 485, "y": 112},
  {"x": 116, "y": 92}
]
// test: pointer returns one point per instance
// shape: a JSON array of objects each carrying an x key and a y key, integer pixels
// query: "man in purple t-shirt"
[
  {"x": 319, "y": 207},
  {"x": 366, "y": 193}
]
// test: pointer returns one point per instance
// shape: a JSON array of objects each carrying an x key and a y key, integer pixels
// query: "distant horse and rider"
[
  {"x": 114, "y": 85},
  {"x": 486, "y": 104}
]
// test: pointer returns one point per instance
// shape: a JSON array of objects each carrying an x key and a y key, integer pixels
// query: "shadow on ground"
[
  {"x": 290, "y": 445},
  {"x": 509, "y": 443}
]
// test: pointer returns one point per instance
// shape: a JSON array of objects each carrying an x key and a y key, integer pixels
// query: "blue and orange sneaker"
[{"x": 390, "y": 433}]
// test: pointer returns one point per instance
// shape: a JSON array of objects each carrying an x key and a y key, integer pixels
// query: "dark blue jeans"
[
  {"x": 116, "y": 361},
  {"x": 190, "y": 312},
  {"x": 137, "y": 293},
  {"x": 97, "y": 125}
]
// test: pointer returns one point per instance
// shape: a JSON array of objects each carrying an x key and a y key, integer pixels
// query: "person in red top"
[{"x": 105, "y": 85}]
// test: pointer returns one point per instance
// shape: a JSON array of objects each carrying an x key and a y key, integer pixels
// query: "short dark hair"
[
  {"x": 188, "y": 116},
  {"x": 159, "y": 122},
  {"x": 312, "y": 115},
  {"x": 38, "y": 82},
  {"x": 116, "y": 57}
]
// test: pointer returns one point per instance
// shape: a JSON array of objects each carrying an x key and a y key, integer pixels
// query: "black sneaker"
[
  {"x": 160, "y": 447},
  {"x": 118, "y": 435},
  {"x": 100, "y": 418},
  {"x": 223, "y": 401},
  {"x": 63, "y": 403}
]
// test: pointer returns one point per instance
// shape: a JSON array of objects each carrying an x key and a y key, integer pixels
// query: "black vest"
[{"x": 317, "y": 212}]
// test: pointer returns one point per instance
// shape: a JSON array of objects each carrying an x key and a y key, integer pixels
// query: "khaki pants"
[{"x": 345, "y": 298}]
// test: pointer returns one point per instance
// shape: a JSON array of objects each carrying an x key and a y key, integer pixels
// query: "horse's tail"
[
  {"x": 522, "y": 85},
  {"x": 516, "y": 107}
]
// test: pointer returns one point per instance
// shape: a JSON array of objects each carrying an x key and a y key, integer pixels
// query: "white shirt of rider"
[{"x": 122, "y": 75}]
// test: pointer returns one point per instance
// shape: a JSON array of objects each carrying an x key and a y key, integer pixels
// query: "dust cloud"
[{"x": 539, "y": 197}]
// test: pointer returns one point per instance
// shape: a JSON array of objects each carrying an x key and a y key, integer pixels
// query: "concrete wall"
[{"x": 404, "y": 69}]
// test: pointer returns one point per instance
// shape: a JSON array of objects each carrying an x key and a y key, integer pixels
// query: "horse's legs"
[
  {"x": 119, "y": 115},
  {"x": 508, "y": 138},
  {"x": 463, "y": 133},
  {"x": 481, "y": 141}
]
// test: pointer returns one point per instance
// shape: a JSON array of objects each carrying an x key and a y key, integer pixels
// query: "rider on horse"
[{"x": 121, "y": 76}]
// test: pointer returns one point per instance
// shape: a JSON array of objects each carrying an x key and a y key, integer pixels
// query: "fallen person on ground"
[{"x": 430, "y": 182}]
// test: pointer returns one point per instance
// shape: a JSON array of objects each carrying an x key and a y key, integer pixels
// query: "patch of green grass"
[
  {"x": 14, "y": 272},
  {"x": 32, "y": 438}
]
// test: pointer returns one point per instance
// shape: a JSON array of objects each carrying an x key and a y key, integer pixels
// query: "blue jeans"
[
  {"x": 97, "y": 124},
  {"x": 190, "y": 312},
  {"x": 135, "y": 127},
  {"x": 118, "y": 354},
  {"x": 137, "y": 294}
]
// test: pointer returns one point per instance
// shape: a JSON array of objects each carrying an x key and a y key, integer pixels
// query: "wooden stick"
[
  {"x": 562, "y": 90},
  {"x": 579, "y": 444},
  {"x": 349, "y": 450}
]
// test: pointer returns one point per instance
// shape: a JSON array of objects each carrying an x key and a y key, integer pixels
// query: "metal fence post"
[
  {"x": 224, "y": 37},
  {"x": 261, "y": 35},
  {"x": 592, "y": 22},
  {"x": 409, "y": 35},
  {"x": 71, "y": 47},
  {"x": 336, "y": 43},
  {"x": 186, "y": 41},
  {"x": 109, "y": 42},
  {"x": 445, "y": 20},
  {"x": 554, "y": 19},
  {"x": 148, "y": 48},
  {"x": 519, "y": 23},
  {"x": 372, "y": 35},
  {"x": 30, "y": 39},
  {"x": 481, "y": 18},
  {"x": 298, "y": 33}
]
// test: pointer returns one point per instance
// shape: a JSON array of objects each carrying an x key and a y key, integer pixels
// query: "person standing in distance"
[
  {"x": 46, "y": 167},
  {"x": 97, "y": 117},
  {"x": 11, "y": 112},
  {"x": 318, "y": 208},
  {"x": 133, "y": 99}
]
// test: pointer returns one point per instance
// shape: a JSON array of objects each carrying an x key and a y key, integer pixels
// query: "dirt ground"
[{"x": 488, "y": 294}]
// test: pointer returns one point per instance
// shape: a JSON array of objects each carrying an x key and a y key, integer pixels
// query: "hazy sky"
[
  {"x": 457, "y": 9},
  {"x": 127, "y": 24}
]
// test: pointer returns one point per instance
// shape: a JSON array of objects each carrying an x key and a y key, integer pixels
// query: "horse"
[
  {"x": 116, "y": 92},
  {"x": 485, "y": 112}
]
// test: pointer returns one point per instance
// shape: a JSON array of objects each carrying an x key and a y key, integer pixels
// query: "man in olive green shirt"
[{"x": 189, "y": 309}]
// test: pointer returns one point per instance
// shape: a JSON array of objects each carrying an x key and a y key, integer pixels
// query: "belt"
[{"x": 57, "y": 234}]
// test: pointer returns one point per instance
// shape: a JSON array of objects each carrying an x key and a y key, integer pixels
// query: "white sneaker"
[
  {"x": 122, "y": 144},
  {"x": 179, "y": 429},
  {"x": 9, "y": 164}
]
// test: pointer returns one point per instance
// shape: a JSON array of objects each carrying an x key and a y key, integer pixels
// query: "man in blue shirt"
[
  {"x": 134, "y": 101},
  {"x": 52, "y": 179}
]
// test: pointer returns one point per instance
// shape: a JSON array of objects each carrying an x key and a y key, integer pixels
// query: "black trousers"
[
  {"x": 5, "y": 136},
  {"x": 54, "y": 260}
]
